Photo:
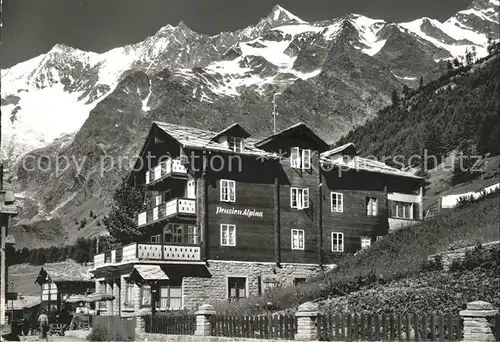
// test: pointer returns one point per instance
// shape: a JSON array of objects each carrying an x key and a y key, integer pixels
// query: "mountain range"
[{"x": 333, "y": 74}]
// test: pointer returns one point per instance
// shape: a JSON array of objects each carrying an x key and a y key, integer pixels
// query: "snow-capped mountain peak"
[
  {"x": 63, "y": 84},
  {"x": 279, "y": 14}
]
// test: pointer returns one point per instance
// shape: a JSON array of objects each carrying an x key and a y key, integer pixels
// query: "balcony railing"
[
  {"x": 168, "y": 168},
  {"x": 145, "y": 252},
  {"x": 175, "y": 207}
]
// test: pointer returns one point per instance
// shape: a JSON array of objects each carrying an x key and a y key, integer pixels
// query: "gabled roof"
[
  {"x": 202, "y": 139},
  {"x": 349, "y": 148},
  {"x": 234, "y": 129},
  {"x": 357, "y": 163},
  {"x": 294, "y": 128},
  {"x": 64, "y": 272},
  {"x": 26, "y": 302}
]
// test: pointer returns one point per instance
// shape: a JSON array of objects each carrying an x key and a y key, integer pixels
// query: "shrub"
[{"x": 99, "y": 333}]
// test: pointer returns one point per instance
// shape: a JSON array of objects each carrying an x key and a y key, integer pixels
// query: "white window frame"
[
  {"x": 226, "y": 229},
  {"x": 366, "y": 242},
  {"x": 155, "y": 238},
  {"x": 306, "y": 159},
  {"x": 237, "y": 144},
  {"x": 337, "y": 239},
  {"x": 146, "y": 294},
  {"x": 337, "y": 208},
  {"x": 400, "y": 205},
  {"x": 191, "y": 189},
  {"x": 225, "y": 190},
  {"x": 370, "y": 202},
  {"x": 299, "y": 233},
  {"x": 301, "y": 198},
  {"x": 300, "y": 159}
]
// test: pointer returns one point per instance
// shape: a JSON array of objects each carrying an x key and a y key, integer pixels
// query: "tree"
[
  {"x": 406, "y": 90},
  {"x": 456, "y": 62},
  {"x": 395, "y": 97},
  {"x": 121, "y": 221},
  {"x": 469, "y": 58},
  {"x": 421, "y": 83},
  {"x": 449, "y": 65}
]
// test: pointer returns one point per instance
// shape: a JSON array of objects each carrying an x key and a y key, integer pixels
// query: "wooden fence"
[
  {"x": 169, "y": 324},
  {"x": 340, "y": 327},
  {"x": 117, "y": 328},
  {"x": 268, "y": 327},
  {"x": 394, "y": 327}
]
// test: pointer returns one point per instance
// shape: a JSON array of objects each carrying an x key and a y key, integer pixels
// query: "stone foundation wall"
[{"x": 198, "y": 291}]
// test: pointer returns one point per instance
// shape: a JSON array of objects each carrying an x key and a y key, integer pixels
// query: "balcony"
[
  {"x": 180, "y": 207},
  {"x": 169, "y": 168},
  {"x": 147, "y": 252}
]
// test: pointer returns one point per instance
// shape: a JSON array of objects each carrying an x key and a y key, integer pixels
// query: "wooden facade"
[
  {"x": 286, "y": 199},
  {"x": 263, "y": 183}
]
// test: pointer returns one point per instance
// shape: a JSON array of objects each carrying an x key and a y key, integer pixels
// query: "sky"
[{"x": 33, "y": 27}]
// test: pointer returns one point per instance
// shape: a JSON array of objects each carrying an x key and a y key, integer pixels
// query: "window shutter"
[
  {"x": 391, "y": 208},
  {"x": 295, "y": 157},
  {"x": 416, "y": 211},
  {"x": 305, "y": 198},
  {"x": 306, "y": 159}
]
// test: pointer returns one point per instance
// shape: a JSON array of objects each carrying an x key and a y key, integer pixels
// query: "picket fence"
[{"x": 340, "y": 327}]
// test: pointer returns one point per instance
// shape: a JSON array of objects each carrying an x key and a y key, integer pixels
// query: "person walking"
[{"x": 43, "y": 323}]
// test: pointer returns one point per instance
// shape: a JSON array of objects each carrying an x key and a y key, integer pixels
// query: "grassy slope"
[{"x": 397, "y": 256}]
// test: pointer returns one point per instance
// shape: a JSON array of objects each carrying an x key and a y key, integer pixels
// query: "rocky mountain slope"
[{"x": 332, "y": 74}]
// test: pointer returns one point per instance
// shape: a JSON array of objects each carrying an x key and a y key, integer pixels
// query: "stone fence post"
[
  {"x": 476, "y": 324},
  {"x": 307, "y": 314},
  {"x": 203, "y": 315}
]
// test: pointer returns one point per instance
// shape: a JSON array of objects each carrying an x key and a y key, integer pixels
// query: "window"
[
  {"x": 306, "y": 159},
  {"x": 298, "y": 239},
  {"x": 129, "y": 295},
  {"x": 337, "y": 242},
  {"x": 49, "y": 290},
  {"x": 270, "y": 283},
  {"x": 337, "y": 202},
  {"x": 366, "y": 242},
  {"x": 371, "y": 206},
  {"x": 192, "y": 236},
  {"x": 155, "y": 238},
  {"x": 146, "y": 295},
  {"x": 299, "y": 198},
  {"x": 300, "y": 159},
  {"x": 227, "y": 235},
  {"x": 236, "y": 288},
  {"x": 298, "y": 281},
  {"x": 227, "y": 190},
  {"x": 181, "y": 233},
  {"x": 170, "y": 297},
  {"x": 403, "y": 210},
  {"x": 191, "y": 189},
  {"x": 235, "y": 144},
  {"x": 173, "y": 233}
]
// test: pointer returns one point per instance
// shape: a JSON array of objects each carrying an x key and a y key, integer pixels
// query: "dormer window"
[
  {"x": 235, "y": 144},
  {"x": 300, "y": 158}
]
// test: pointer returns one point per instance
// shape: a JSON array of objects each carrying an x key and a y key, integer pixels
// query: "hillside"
[
  {"x": 459, "y": 111},
  {"x": 394, "y": 273}
]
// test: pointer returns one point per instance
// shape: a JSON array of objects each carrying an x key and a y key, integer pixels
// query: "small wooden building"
[
  {"x": 60, "y": 280},
  {"x": 23, "y": 307}
]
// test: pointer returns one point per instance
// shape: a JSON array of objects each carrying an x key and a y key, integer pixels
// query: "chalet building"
[
  {"x": 60, "y": 281},
  {"x": 227, "y": 216}
]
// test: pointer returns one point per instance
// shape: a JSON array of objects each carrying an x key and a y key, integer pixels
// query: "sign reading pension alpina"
[{"x": 241, "y": 212}]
